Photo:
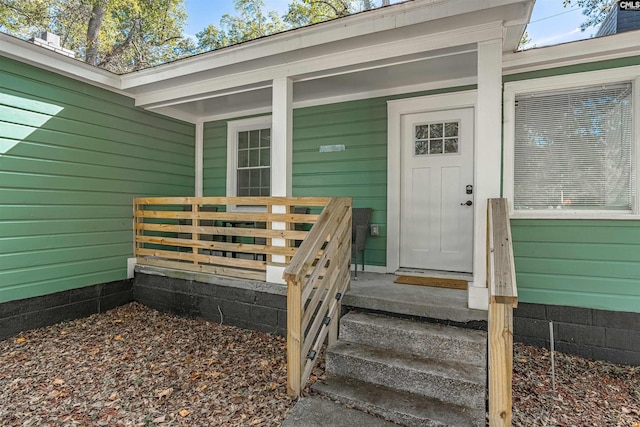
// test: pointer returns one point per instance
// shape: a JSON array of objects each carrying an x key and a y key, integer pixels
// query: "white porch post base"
[
  {"x": 274, "y": 274},
  {"x": 478, "y": 298},
  {"x": 131, "y": 267}
]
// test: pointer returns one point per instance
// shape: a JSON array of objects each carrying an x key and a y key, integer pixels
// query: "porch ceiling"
[
  {"x": 375, "y": 79},
  {"x": 407, "y": 47}
]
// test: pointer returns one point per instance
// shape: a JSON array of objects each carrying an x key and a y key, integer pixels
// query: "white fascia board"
[
  {"x": 400, "y": 90},
  {"x": 362, "y": 24},
  {"x": 214, "y": 94},
  {"x": 572, "y": 53},
  {"x": 175, "y": 113},
  {"x": 414, "y": 45},
  {"x": 236, "y": 114},
  {"x": 28, "y": 53}
]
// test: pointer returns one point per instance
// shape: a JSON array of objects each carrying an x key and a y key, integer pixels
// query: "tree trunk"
[{"x": 93, "y": 30}]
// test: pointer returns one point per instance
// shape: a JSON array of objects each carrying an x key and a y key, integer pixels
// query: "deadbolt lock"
[{"x": 469, "y": 189}]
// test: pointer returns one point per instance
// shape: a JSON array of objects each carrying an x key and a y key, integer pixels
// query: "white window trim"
[
  {"x": 233, "y": 127},
  {"x": 564, "y": 82}
]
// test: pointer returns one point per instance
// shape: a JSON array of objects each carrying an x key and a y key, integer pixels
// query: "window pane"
[
  {"x": 451, "y": 129},
  {"x": 421, "y": 147},
  {"x": 265, "y": 157},
  {"x": 254, "y": 157},
  {"x": 265, "y": 138},
  {"x": 435, "y": 147},
  {"x": 451, "y": 145},
  {"x": 573, "y": 149},
  {"x": 265, "y": 177},
  {"x": 243, "y": 158},
  {"x": 243, "y": 178},
  {"x": 243, "y": 139},
  {"x": 436, "y": 130},
  {"x": 422, "y": 132},
  {"x": 255, "y": 177},
  {"x": 254, "y": 139}
]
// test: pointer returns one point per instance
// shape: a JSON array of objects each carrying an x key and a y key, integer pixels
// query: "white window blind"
[{"x": 573, "y": 149}]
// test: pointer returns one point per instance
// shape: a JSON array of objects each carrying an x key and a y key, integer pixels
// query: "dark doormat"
[{"x": 432, "y": 281}]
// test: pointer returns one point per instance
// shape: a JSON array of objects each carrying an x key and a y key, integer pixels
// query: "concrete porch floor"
[{"x": 375, "y": 291}]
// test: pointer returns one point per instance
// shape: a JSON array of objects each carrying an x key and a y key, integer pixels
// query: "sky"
[{"x": 550, "y": 22}]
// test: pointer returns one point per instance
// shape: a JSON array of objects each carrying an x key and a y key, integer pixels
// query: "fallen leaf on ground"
[{"x": 166, "y": 392}]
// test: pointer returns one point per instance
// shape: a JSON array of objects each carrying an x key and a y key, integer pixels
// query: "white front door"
[{"x": 436, "y": 222}]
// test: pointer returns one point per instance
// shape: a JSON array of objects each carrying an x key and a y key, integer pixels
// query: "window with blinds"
[{"x": 573, "y": 149}]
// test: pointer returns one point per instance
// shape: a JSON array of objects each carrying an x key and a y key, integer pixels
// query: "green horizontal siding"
[
  {"x": 359, "y": 172},
  {"x": 72, "y": 158},
  {"x": 214, "y": 159},
  {"x": 582, "y": 263}
]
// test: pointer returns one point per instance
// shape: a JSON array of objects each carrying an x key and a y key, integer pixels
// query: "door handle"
[{"x": 467, "y": 203}]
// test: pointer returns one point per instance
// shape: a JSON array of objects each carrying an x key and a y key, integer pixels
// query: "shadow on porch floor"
[{"x": 375, "y": 291}]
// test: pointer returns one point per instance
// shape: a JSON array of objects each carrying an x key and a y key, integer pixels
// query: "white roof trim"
[
  {"x": 29, "y": 53},
  {"x": 185, "y": 92},
  {"x": 578, "y": 52},
  {"x": 373, "y": 21}
]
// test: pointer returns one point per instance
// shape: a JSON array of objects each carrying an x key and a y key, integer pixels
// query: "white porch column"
[
  {"x": 281, "y": 160},
  {"x": 488, "y": 159},
  {"x": 199, "y": 153}
]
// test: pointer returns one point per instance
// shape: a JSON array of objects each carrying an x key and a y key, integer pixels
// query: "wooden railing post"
[
  {"x": 503, "y": 297},
  {"x": 500, "y": 363},
  {"x": 294, "y": 338},
  {"x": 333, "y": 326}
]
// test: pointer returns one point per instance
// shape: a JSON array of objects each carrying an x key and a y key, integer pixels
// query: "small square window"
[{"x": 436, "y": 138}]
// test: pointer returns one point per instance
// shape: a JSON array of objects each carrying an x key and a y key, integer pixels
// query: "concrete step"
[
  {"x": 400, "y": 407},
  {"x": 452, "y": 382},
  {"x": 431, "y": 340},
  {"x": 377, "y": 292},
  {"x": 316, "y": 411}
]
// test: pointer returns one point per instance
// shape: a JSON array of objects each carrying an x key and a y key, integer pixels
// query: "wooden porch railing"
[
  {"x": 503, "y": 297},
  {"x": 205, "y": 234},
  {"x": 317, "y": 278}
]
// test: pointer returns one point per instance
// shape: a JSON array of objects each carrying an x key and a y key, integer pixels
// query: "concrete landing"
[
  {"x": 316, "y": 411},
  {"x": 374, "y": 291}
]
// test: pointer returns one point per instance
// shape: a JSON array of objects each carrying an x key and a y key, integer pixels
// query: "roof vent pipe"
[{"x": 52, "y": 42}]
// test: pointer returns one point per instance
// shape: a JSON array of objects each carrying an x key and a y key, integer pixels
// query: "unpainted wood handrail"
[
  {"x": 317, "y": 277},
  {"x": 503, "y": 297}
]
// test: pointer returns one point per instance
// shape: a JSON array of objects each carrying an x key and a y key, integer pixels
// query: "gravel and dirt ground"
[
  {"x": 134, "y": 366},
  {"x": 587, "y": 392}
]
